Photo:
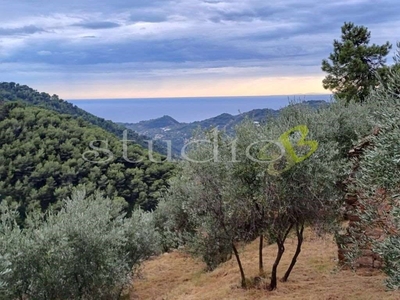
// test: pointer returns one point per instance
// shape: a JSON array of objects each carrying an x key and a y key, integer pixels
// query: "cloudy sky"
[{"x": 170, "y": 48}]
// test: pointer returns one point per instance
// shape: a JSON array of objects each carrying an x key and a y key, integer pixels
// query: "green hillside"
[
  {"x": 10, "y": 91},
  {"x": 44, "y": 154}
]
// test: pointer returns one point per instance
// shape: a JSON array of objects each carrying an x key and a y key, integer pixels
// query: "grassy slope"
[{"x": 176, "y": 276}]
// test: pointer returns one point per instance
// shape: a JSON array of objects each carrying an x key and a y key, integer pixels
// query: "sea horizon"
[{"x": 184, "y": 109}]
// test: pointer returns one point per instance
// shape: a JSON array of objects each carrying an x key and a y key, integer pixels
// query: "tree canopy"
[
  {"x": 353, "y": 65},
  {"x": 10, "y": 91},
  {"x": 88, "y": 249},
  {"x": 377, "y": 183},
  {"x": 44, "y": 154},
  {"x": 235, "y": 189}
]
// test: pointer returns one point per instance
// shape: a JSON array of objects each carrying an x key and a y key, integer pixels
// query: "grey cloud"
[
  {"x": 151, "y": 17},
  {"x": 25, "y": 30},
  {"x": 44, "y": 52},
  {"x": 15, "y": 9},
  {"x": 97, "y": 25},
  {"x": 192, "y": 52},
  {"x": 212, "y": 1},
  {"x": 259, "y": 13}
]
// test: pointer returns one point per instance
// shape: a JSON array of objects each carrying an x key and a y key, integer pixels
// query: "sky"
[{"x": 85, "y": 49}]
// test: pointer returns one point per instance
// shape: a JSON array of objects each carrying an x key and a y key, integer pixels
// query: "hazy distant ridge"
[{"x": 167, "y": 128}]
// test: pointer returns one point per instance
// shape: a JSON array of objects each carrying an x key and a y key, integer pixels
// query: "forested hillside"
[
  {"x": 10, "y": 91},
  {"x": 167, "y": 128},
  {"x": 44, "y": 154}
]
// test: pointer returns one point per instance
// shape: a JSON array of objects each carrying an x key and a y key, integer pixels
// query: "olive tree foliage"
[
  {"x": 379, "y": 179},
  {"x": 210, "y": 211},
  {"x": 87, "y": 250},
  {"x": 265, "y": 182},
  {"x": 223, "y": 214},
  {"x": 171, "y": 217},
  {"x": 180, "y": 226},
  {"x": 298, "y": 189},
  {"x": 354, "y": 64},
  {"x": 4, "y": 270}
]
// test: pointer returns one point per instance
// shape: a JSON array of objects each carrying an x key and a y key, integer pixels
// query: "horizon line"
[{"x": 185, "y": 97}]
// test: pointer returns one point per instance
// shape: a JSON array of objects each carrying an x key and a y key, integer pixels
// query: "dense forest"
[
  {"x": 10, "y": 91},
  {"x": 44, "y": 154}
]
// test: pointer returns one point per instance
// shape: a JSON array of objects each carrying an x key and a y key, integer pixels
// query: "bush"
[
  {"x": 4, "y": 270},
  {"x": 211, "y": 245},
  {"x": 378, "y": 178},
  {"x": 87, "y": 250},
  {"x": 389, "y": 250}
]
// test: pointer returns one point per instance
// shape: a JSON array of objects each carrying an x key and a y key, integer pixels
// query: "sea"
[{"x": 184, "y": 109}]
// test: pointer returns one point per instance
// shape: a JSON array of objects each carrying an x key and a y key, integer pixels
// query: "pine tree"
[{"x": 354, "y": 64}]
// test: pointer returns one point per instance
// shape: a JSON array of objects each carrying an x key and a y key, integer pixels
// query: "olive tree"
[
  {"x": 266, "y": 181},
  {"x": 86, "y": 250},
  {"x": 4, "y": 270},
  {"x": 295, "y": 168},
  {"x": 379, "y": 183},
  {"x": 212, "y": 213},
  {"x": 171, "y": 217}
]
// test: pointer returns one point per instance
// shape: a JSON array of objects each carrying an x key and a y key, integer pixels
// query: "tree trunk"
[
  {"x": 273, "y": 283},
  {"x": 281, "y": 249},
  {"x": 299, "y": 233},
  {"x": 240, "y": 266},
  {"x": 260, "y": 257}
]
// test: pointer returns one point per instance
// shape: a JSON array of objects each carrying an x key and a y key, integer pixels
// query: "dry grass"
[{"x": 177, "y": 276}]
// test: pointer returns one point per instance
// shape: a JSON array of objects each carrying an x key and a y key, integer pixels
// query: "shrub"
[
  {"x": 87, "y": 250},
  {"x": 378, "y": 174},
  {"x": 389, "y": 250}
]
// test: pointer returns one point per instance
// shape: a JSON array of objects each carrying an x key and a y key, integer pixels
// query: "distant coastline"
[{"x": 184, "y": 109}]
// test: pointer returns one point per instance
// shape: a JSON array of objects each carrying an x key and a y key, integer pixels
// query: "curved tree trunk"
[
  {"x": 299, "y": 233},
  {"x": 240, "y": 265},
  {"x": 281, "y": 249},
  {"x": 273, "y": 284}
]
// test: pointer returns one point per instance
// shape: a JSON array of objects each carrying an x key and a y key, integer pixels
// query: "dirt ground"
[{"x": 177, "y": 276}]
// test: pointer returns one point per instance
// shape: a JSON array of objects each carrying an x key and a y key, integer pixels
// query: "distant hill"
[
  {"x": 167, "y": 128},
  {"x": 10, "y": 91}
]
